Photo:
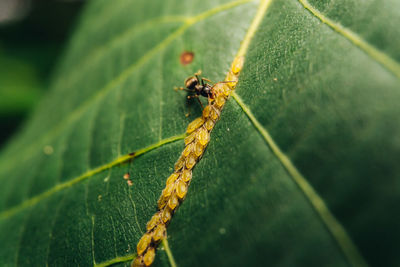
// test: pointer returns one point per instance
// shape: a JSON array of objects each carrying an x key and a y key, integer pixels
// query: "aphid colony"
[{"x": 198, "y": 136}]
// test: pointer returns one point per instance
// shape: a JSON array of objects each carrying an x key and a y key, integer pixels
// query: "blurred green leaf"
[
  {"x": 20, "y": 86},
  {"x": 301, "y": 169}
]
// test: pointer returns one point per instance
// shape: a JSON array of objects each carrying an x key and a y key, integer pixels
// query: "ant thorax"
[
  {"x": 198, "y": 86},
  {"x": 206, "y": 90}
]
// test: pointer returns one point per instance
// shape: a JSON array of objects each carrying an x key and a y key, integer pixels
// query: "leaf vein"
[
  {"x": 113, "y": 261},
  {"x": 335, "y": 228},
  {"x": 98, "y": 52},
  {"x": 32, "y": 201},
  {"x": 379, "y": 56},
  {"x": 77, "y": 112},
  {"x": 168, "y": 251}
]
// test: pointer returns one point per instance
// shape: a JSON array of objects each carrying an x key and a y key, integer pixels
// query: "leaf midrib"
[
  {"x": 333, "y": 225},
  {"x": 337, "y": 231},
  {"x": 314, "y": 199}
]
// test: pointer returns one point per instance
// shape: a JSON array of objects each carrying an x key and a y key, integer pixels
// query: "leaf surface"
[{"x": 301, "y": 169}]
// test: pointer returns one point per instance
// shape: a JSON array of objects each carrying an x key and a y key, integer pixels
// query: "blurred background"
[{"x": 33, "y": 34}]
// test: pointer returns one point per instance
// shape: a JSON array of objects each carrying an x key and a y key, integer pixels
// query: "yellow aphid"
[
  {"x": 227, "y": 90},
  {"x": 186, "y": 175},
  {"x": 179, "y": 164},
  {"x": 173, "y": 202},
  {"x": 206, "y": 111},
  {"x": 148, "y": 258},
  {"x": 194, "y": 125},
  {"x": 168, "y": 190},
  {"x": 198, "y": 149},
  {"x": 153, "y": 221},
  {"x": 166, "y": 215},
  {"x": 162, "y": 201},
  {"x": 220, "y": 100},
  {"x": 172, "y": 178},
  {"x": 190, "y": 161},
  {"x": 181, "y": 189},
  {"x": 137, "y": 262},
  {"x": 209, "y": 124},
  {"x": 203, "y": 136},
  {"x": 190, "y": 138},
  {"x": 159, "y": 232},
  {"x": 188, "y": 149},
  {"x": 232, "y": 78},
  {"x": 237, "y": 64},
  {"x": 214, "y": 114},
  {"x": 144, "y": 242},
  {"x": 218, "y": 88},
  {"x": 165, "y": 195}
]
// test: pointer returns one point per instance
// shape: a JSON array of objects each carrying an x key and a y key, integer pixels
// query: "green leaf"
[{"x": 301, "y": 169}]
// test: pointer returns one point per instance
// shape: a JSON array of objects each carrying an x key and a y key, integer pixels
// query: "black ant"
[{"x": 198, "y": 86}]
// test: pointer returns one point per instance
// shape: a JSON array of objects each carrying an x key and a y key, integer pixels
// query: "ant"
[{"x": 198, "y": 86}]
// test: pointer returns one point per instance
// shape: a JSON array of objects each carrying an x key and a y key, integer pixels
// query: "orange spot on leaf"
[{"x": 186, "y": 57}]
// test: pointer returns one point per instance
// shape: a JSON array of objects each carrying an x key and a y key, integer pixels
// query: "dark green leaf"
[{"x": 301, "y": 169}]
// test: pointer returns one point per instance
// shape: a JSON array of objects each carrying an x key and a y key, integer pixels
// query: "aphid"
[
  {"x": 237, "y": 65},
  {"x": 148, "y": 258},
  {"x": 181, "y": 189},
  {"x": 186, "y": 175},
  {"x": 194, "y": 125},
  {"x": 203, "y": 136},
  {"x": 173, "y": 202},
  {"x": 172, "y": 178},
  {"x": 181, "y": 161},
  {"x": 190, "y": 137},
  {"x": 166, "y": 215},
  {"x": 190, "y": 161},
  {"x": 144, "y": 242},
  {"x": 153, "y": 222},
  {"x": 198, "y": 136},
  {"x": 159, "y": 232}
]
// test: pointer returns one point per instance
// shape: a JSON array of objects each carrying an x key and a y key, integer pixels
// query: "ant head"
[{"x": 191, "y": 82}]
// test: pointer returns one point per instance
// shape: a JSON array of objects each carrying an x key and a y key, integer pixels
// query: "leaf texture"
[{"x": 301, "y": 170}]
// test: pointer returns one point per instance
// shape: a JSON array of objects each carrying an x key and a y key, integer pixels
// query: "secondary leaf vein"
[
  {"x": 387, "y": 62},
  {"x": 32, "y": 201}
]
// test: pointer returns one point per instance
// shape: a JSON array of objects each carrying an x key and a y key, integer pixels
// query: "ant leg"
[
  {"x": 197, "y": 74},
  {"x": 197, "y": 97},
  {"x": 207, "y": 80},
  {"x": 188, "y": 106},
  {"x": 209, "y": 100},
  {"x": 183, "y": 89},
  {"x": 201, "y": 104},
  {"x": 188, "y": 113},
  {"x": 228, "y": 82}
]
